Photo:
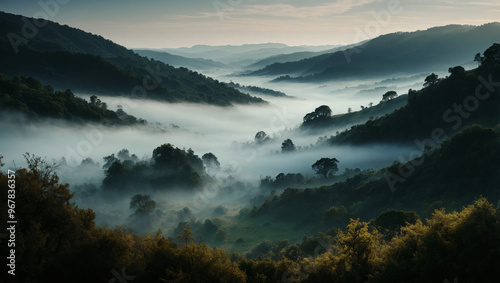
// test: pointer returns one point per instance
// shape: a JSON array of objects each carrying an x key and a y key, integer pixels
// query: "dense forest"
[
  {"x": 395, "y": 247},
  {"x": 69, "y": 58},
  {"x": 29, "y": 96},
  {"x": 442, "y": 107},
  {"x": 165, "y": 213}
]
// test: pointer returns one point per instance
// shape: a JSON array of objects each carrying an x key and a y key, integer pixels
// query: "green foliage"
[
  {"x": 390, "y": 95},
  {"x": 400, "y": 52},
  {"x": 465, "y": 167},
  {"x": 261, "y": 137},
  {"x": 31, "y": 97},
  {"x": 355, "y": 117},
  {"x": 210, "y": 161},
  {"x": 67, "y": 57},
  {"x": 321, "y": 113},
  {"x": 208, "y": 230},
  {"x": 446, "y": 107},
  {"x": 430, "y": 80},
  {"x": 391, "y": 221},
  {"x": 255, "y": 89},
  {"x": 325, "y": 166},
  {"x": 491, "y": 56},
  {"x": 169, "y": 168},
  {"x": 282, "y": 181},
  {"x": 460, "y": 244},
  {"x": 287, "y": 146},
  {"x": 143, "y": 204},
  {"x": 56, "y": 233}
]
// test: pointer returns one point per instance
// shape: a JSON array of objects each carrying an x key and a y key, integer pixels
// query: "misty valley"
[{"x": 371, "y": 162}]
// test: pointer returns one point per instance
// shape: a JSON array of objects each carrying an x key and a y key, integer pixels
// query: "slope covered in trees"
[
  {"x": 257, "y": 90},
  {"x": 313, "y": 124},
  {"x": 170, "y": 168},
  {"x": 440, "y": 109},
  {"x": 465, "y": 167},
  {"x": 31, "y": 97},
  {"x": 460, "y": 245},
  {"x": 69, "y": 58},
  {"x": 402, "y": 52}
]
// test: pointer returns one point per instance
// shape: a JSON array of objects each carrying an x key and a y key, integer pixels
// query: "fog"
[{"x": 227, "y": 132}]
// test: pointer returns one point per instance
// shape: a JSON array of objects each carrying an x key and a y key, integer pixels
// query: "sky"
[{"x": 184, "y": 23}]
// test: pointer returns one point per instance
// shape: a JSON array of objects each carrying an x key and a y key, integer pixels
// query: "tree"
[
  {"x": 210, "y": 160},
  {"x": 143, "y": 204},
  {"x": 456, "y": 71},
  {"x": 321, "y": 112},
  {"x": 491, "y": 55},
  {"x": 390, "y": 222},
  {"x": 195, "y": 161},
  {"x": 389, "y": 95},
  {"x": 287, "y": 146},
  {"x": 117, "y": 176},
  {"x": 261, "y": 137},
  {"x": 358, "y": 252},
  {"x": 478, "y": 59},
  {"x": 52, "y": 224},
  {"x": 93, "y": 100},
  {"x": 325, "y": 166},
  {"x": 168, "y": 156},
  {"x": 431, "y": 79},
  {"x": 349, "y": 110}
]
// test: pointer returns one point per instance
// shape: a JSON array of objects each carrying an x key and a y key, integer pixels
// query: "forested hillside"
[
  {"x": 402, "y": 52},
  {"x": 29, "y": 96},
  {"x": 441, "y": 108},
  {"x": 55, "y": 232},
  {"x": 69, "y": 58}
]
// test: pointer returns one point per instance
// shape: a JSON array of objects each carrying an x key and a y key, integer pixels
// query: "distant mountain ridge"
[
  {"x": 69, "y": 58},
  {"x": 242, "y": 55},
  {"x": 441, "y": 108},
  {"x": 296, "y": 56},
  {"x": 401, "y": 52},
  {"x": 180, "y": 61}
]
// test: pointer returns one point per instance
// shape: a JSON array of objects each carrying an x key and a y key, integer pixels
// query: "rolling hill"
[
  {"x": 296, "y": 56},
  {"x": 455, "y": 123},
  {"x": 69, "y": 58},
  {"x": 30, "y": 97},
  {"x": 242, "y": 55},
  {"x": 395, "y": 53},
  {"x": 180, "y": 61},
  {"x": 438, "y": 110}
]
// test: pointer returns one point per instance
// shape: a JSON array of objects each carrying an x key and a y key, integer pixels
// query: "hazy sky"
[{"x": 175, "y": 23}]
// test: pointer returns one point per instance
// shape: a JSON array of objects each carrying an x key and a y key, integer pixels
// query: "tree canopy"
[
  {"x": 325, "y": 166},
  {"x": 389, "y": 95},
  {"x": 431, "y": 79},
  {"x": 321, "y": 112},
  {"x": 288, "y": 146}
]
